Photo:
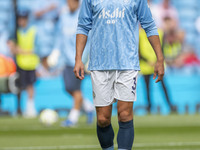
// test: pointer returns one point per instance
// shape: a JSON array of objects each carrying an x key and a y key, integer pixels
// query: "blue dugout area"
[{"x": 184, "y": 92}]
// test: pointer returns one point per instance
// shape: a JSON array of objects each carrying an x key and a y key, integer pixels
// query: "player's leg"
[
  {"x": 75, "y": 111},
  {"x": 125, "y": 93},
  {"x": 30, "y": 91},
  {"x": 20, "y": 85},
  {"x": 89, "y": 109},
  {"x": 125, "y": 135},
  {"x": 173, "y": 109},
  {"x": 72, "y": 86},
  {"x": 29, "y": 79},
  {"x": 31, "y": 112},
  {"x": 77, "y": 95},
  {"x": 102, "y": 84},
  {"x": 105, "y": 131},
  {"x": 80, "y": 103},
  {"x": 147, "y": 83}
]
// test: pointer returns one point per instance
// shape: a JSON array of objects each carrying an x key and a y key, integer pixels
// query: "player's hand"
[
  {"x": 158, "y": 71},
  {"x": 79, "y": 68}
]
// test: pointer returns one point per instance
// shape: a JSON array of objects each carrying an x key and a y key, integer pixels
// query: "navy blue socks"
[
  {"x": 125, "y": 135},
  {"x": 105, "y": 136}
]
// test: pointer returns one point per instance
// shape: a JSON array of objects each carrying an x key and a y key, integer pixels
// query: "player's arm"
[
  {"x": 159, "y": 66},
  {"x": 40, "y": 13},
  {"x": 148, "y": 24},
  {"x": 84, "y": 26},
  {"x": 81, "y": 40}
]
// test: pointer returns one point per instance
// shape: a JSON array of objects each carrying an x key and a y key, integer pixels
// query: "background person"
[
  {"x": 147, "y": 63},
  {"x": 179, "y": 55},
  {"x": 66, "y": 41},
  {"x": 26, "y": 59},
  {"x": 162, "y": 10},
  {"x": 45, "y": 17}
]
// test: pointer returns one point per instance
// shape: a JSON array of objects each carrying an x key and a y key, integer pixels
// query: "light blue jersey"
[
  {"x": 66, "y": 36},
  {"x": 114, "y": 26}
]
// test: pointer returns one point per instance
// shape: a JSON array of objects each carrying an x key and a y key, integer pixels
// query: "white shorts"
[{"x": 109, "y": 86}]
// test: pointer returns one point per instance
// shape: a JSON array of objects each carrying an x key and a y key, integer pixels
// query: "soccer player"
[
  {"x": 66, "y": 42},
  {"x": 114, "y": 61}
]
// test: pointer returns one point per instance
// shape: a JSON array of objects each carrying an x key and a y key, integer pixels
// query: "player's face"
[
  {"x": 22, "y": 21},
  {"x": 73, "y": 5}
]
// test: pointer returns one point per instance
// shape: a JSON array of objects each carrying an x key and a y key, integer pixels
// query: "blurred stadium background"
[{"x": 168, "y": 131}]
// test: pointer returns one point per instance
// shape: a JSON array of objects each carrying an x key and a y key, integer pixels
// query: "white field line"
[
  {"x": 171, "y": 144},
  {"x": 52, "y": 147}
]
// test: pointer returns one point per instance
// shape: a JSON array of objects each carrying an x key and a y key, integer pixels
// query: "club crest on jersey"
[{"x": 112, "y": 16}]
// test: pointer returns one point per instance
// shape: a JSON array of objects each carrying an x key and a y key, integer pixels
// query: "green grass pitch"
[{"x": 152, "y": 132}]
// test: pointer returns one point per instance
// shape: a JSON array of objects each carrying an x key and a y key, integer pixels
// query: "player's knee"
[
  {"x": 125, "y": 115},
  {"x": 103, "y": 121},
  {"x": 69, "y": 91}
]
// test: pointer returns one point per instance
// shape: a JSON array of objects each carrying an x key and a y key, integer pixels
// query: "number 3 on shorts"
[{"x": 134, "y": 85}]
